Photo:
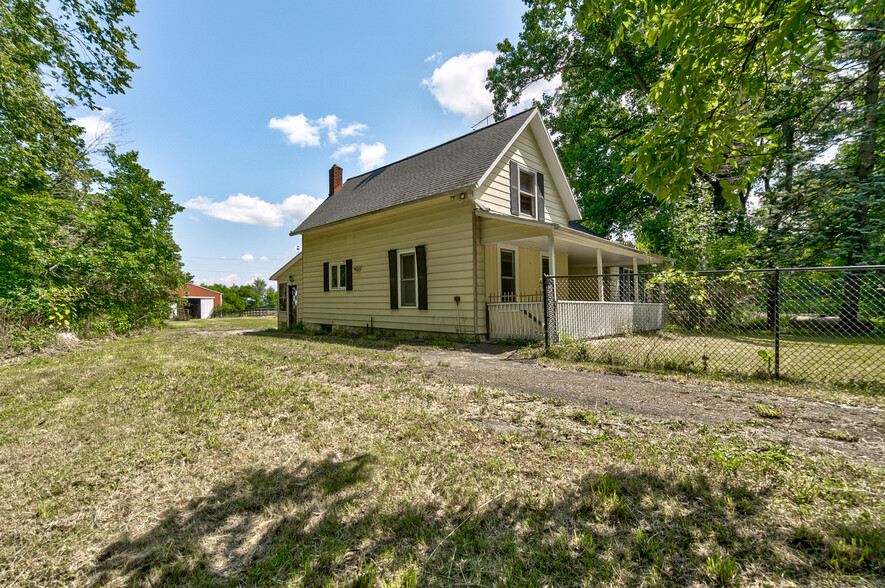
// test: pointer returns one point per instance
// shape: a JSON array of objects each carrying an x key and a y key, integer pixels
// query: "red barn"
[{"x": 200, "y": 301}]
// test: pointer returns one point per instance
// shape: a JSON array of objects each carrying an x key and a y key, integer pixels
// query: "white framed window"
[
  {"x": 407, "y": 268},
  {"x": 528, "y": 192},
  {"x": 338, "y": 276},
  {"x": 507, "y": 273}
]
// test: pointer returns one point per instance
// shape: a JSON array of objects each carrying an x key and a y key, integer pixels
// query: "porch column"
[
  {"x": 551, "y": 251},
  {"x": 635, "y": 280},
  {"x": 600, "y": 271}
]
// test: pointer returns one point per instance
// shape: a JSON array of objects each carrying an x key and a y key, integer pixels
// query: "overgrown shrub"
[{"x": 695, "y": 301}]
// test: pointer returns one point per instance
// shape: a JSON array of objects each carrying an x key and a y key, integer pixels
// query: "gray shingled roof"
[{"x": 456, "y": 164}]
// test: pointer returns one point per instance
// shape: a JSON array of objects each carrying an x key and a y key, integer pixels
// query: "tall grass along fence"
[{"x": 802, "y": 324}]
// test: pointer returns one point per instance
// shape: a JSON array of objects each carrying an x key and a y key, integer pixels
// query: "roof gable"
[
  {"x": 459, "y": 163},
  {"x": 548, "y": 151},
  {"x": 195, "y": 291},
  {"x": 286, "y": 268}
]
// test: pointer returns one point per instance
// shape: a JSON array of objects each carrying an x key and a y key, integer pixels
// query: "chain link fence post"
[
  {"x": 544, "y": 280},
  {"x": 777, "y": 323}
]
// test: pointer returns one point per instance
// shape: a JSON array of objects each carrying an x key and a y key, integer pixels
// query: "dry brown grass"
[{"x": 199, "y": 457}]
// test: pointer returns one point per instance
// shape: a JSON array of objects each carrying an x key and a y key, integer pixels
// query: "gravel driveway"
[{"x": 804, "y": 422}]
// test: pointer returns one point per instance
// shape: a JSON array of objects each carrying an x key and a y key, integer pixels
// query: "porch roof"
[{"x": 580, "y": 245}]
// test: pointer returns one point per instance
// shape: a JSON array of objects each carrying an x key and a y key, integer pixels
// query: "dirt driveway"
[{"x": 810, "y": 424}]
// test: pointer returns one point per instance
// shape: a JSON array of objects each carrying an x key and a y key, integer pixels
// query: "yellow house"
[{"x": 452, "y": 240}]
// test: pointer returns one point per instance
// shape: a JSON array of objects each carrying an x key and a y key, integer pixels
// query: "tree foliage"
[
  {"x": 76, "y": 242},
  {"x": 245, "y": 296},
  {"x": 675, "y": 116}
]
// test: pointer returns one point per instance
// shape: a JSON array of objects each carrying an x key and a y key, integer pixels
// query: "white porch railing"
[
  {"x": 591, "y": 320},
  {"x": 574, "y": 319},
  {"x": 516, "y": 320}
]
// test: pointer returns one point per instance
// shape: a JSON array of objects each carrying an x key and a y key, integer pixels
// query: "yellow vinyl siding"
[
  {"x": 528, "y": 269},
  {"x": 443, "y": 226},
  {"x": 494, "y": 194},
  {"x": 582, "y": 271}
]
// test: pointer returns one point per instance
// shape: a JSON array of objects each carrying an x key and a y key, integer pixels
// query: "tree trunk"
[
  {"x": 775, "y": 215},
  {"x": 866, "y": 153}
]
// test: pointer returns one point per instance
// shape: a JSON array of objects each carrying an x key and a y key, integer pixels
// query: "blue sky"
[{"x": 241, "y": 108}]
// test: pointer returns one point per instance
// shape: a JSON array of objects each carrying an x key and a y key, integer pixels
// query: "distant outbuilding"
[{"x": 200, "y": 301}]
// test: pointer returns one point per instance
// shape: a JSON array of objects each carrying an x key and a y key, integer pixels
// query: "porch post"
[
  {"x": 600, "y": 271},
  {"x": 635, "y": 280},
  {"x": 551, "y": 251}
]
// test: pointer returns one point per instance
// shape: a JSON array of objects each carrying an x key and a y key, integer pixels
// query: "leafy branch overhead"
[
  {"x": 666, "y": 100},
  {"x": 711, "y": 69}
]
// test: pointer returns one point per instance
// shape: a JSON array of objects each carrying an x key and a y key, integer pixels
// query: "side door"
[{"x": 293, "y": 305}]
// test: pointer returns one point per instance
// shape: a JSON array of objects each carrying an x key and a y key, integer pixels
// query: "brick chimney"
[{"x": 336, "y": 179}]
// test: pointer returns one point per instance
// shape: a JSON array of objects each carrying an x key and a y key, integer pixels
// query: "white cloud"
[
  {"x": 330, "y": 123},
  {"x": 264, "y": 258},
  {"x": 248, "y": 257},
  {"x": 251, "y": 210},
  {"x": 193, "y": 217},
  {"x": 459, "y": 85},
  {"x": 370, "y": 156},
  {"x": 299, "y": 130},
  {"x": 97, "y": 128},
  {"x": 435, "y": 57},
  {"x": 345, "y": 151},
  {"x": 354, "y": 129}
]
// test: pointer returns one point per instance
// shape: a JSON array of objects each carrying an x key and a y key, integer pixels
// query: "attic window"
[{"x": 527, "y": 192}]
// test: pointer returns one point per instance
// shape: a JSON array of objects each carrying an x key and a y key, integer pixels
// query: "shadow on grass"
[{"x": 324, "y": 523}]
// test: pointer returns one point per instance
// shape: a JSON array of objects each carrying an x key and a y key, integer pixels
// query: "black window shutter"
[
  {"x": 421, "y": 258},
  {"x": 514, "y": 188},
  {"x": 348, "y": 270},
  {"x": 394, "y": 280},
  {"x": 540, "y": 200},
  {"x": 326, "y": 277}
]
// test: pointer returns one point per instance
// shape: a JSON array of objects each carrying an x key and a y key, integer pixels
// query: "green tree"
[
  {"x": 75, "y": 242},
  {"x": 599, "y": 119},
  {"x": 82, "y": 48},
  {"x": 729, "y": 96}
]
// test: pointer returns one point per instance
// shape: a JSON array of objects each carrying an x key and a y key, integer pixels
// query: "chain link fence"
[{"x": 801, "y": 324}]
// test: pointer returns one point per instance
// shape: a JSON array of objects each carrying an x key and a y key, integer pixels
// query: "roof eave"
[
  {"x": 275, "y": 276},
  {"x": 299, "y": 231}
]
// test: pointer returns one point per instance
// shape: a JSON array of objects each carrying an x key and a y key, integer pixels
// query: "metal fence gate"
[{"x": 803, "y": 324}]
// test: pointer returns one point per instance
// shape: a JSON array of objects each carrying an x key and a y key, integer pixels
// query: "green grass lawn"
[
  {"x": 194, "y": 456},
  {"x": 846, "y": 362}
]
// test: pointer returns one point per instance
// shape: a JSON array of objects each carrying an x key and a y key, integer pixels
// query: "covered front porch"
[{"x": 606, "y": 300}]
